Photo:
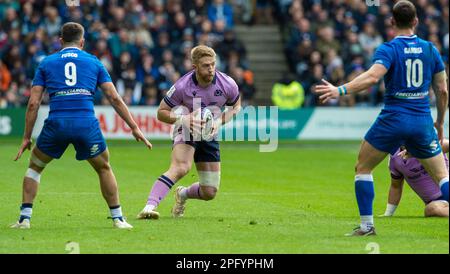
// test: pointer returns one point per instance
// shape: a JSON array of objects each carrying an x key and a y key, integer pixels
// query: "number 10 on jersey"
[{"x": 414, "y": 72}]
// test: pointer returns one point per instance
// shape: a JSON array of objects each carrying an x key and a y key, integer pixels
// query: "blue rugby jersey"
[
  {"x": 71, "y": 77},
  {"x": 411, "y": 63}
]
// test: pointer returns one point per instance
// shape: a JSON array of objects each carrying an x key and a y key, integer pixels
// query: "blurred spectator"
[
  {"x": 288, "y": 93},
  {"x": 5, "y": 78},
  {"x": 264, "y": 12},
  {"x": 244, "y": 80},
  {"x": 220, "y": 10},
  {"x": 243, "y": 10}
]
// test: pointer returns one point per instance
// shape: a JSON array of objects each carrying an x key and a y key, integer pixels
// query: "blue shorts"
[
  {"x": 84, "y": 134},
  {"x": 394, "y": 129}
]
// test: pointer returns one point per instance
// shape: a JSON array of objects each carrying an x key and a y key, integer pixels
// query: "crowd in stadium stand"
[
  {"x": 336, "y": 39},
  {"x": 145, "y": 45}
]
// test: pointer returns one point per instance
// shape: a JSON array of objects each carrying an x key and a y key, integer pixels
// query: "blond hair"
[{"x": 201, "y": 51}]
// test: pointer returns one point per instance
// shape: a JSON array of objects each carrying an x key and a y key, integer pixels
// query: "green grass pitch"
[{"x": 299, "y": 199}]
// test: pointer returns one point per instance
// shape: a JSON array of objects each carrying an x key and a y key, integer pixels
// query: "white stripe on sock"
[
  {"x": 116, "y": 212},
  {"x": 27, "y": 211},
  {"x": 366, "y": 222},
  {"x": 443, "y": 181},
  {"x": 364, "y": 177}
]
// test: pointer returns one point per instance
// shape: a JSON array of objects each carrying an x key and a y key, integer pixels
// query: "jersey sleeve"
[
  {"x": 233, "y": 93},
  {"x": 438, "y": 63},
  {"x": 174, "y": 97},
  {"x": 383, "y": 56},
  {"x": 395, "y": 174},
  {"x": 39, "y": 76},
  {"x": 103, "y": 75}
]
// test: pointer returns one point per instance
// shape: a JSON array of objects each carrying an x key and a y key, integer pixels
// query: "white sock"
[
  {"x": 366, "y": 223},
  {"x": 149, "y": 208},
  {"x": 116, "y": 212},
  {"x": 183, "y": 193},
  {"x": 390, "y": 209}
]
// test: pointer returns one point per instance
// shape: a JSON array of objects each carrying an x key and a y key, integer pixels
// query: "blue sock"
[
  {"x": 444, "y": 188},
  {"x": 25, "y": 211},
  {"x": 365, "y": 195}
]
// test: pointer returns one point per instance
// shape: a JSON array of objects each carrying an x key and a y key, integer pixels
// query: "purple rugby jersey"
[
  {"x": 223, "y": 91},
  {"x": 416, "y": 176}
]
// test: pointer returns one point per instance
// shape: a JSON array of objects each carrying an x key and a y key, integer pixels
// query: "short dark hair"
[
  {"x": 72, "y": 32},
  {"x": 404, "y": 13}
]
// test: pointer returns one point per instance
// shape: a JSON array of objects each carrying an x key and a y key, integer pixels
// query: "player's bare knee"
[
  {"x": 103, "y": 167},
  {"x": 208, "y": 193},
  {"x": 436, "y": 209}
]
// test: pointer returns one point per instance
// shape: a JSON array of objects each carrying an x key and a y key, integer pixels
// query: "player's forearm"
[
  {"x": 30, "y": 119},
  {"x": 121, "y": 108},
  {"x": 166, "y": 116},
  {"x": 441, "y": 105},
  {"x": 395, "y": 195},
  {"x": 360, "y": 83},
  {"x": 228, "y": 114},
  {"x": 441, "y": 92}
]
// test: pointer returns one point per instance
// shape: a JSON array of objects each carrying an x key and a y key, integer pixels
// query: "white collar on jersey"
[
  {"x": 70, "y": 48},
  {"x": 408, "y": 37}
]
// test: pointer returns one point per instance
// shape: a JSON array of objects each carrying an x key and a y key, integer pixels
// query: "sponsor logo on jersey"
[
  {"x": 411, "y": 95},
  {"x": 77, "y": 91}
]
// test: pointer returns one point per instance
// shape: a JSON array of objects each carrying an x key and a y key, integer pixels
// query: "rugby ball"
[{"x": 207, "y": 124}]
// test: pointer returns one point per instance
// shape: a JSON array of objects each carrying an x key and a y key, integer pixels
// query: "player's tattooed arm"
[{"x": 34, "y": 103}]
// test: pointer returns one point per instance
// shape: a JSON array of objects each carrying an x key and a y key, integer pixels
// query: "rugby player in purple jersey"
[
  {"x": 203, "y": 87},
  {"x": 403, "y": 167}
]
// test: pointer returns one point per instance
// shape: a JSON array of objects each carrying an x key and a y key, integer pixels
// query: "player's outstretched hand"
[
  {"x": 327, "y": 91},
  {"x": 26, "y": 144},
  {"x": 139, "y": 136}
]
